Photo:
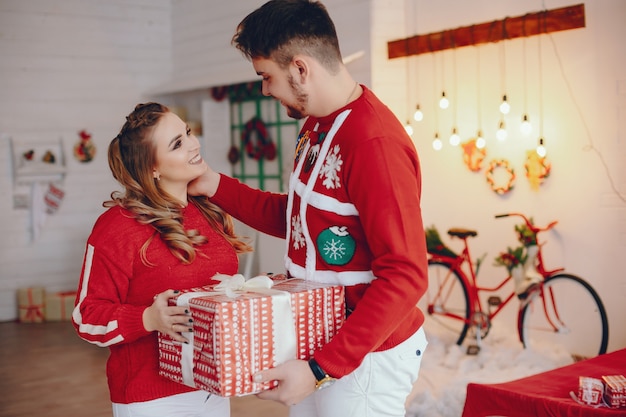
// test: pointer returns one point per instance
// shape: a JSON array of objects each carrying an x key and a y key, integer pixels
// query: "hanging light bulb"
[
  {"x": 437, "y": 144},
  {"x": 418, "y": 115},
  {"x": 408, "y": 128},
  {"x": 444, "y": 102},
  {"x": 526, "y": 127},
  {"x": 505, "y": 107},
  {"x": 480, "y": 141},
  {"x": 501, "y": 133},
  {"x": 455, "y": 139},
  {"x": 541, "y": 150}
]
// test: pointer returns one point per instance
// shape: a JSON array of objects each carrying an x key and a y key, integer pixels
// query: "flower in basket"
[
  {"x": 525, "y": 235},
  {"x": 511, "y": 258}
]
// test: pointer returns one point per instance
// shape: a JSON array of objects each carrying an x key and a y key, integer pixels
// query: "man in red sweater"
[{"x": 351, "y": 216}]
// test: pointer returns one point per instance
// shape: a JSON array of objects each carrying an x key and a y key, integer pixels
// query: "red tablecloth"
[{"x": 545, "y": 394}]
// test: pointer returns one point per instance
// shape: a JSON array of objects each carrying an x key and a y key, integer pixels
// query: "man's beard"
[{"x": 301, "y": 99}]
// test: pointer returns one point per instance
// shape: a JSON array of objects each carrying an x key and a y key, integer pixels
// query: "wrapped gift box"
[
  {"x": 31, "y": 304},
  {"x": 238, "y": 333},
  {"x": 59, "y": 306},
  {"x": 615, "y": 390}
]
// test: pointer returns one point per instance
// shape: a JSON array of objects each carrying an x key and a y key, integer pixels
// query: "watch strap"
[{"x": 317, "y": 370}]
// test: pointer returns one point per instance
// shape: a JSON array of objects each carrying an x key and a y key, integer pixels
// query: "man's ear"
[{"x": 301, "y": 67}]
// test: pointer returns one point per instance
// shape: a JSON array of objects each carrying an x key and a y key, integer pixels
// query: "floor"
[{"x": 47, "y": 370}]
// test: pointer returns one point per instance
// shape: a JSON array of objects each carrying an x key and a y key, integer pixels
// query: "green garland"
[{"x": 435, "y": 245}]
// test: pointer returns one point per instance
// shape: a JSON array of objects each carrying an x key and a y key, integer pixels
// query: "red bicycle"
[{"x": 557, "y": 308}]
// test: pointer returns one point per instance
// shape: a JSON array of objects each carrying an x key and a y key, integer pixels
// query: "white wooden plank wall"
[{"x": 66, "y": 66}]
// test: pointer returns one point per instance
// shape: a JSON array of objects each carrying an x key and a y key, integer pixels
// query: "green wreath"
[{"x": 256, "y": 140}]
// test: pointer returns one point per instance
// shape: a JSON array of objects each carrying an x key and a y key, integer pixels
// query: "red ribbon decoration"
[{"x": 34, "y": 312}]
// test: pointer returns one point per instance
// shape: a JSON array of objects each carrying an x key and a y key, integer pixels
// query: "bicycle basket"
[{"x": 435, "y": 245}]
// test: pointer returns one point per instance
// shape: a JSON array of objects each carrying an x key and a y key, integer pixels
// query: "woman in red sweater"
[{"x": 152, "y": 240}]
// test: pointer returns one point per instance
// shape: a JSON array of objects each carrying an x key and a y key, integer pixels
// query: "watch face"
[{"x": 326, "y": 382}]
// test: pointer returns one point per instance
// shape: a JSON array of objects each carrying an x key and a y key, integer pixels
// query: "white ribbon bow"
[
  {"x": 282, "y": 318},
  {"x": 231, "y": 283}
]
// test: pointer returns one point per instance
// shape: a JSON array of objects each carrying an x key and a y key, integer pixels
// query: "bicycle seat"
[{"x": 462, "y": 233}]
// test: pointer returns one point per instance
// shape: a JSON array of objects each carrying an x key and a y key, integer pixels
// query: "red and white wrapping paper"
[
  {"x": 614, "y": 390},
  {"x": 239, "y": 330}
]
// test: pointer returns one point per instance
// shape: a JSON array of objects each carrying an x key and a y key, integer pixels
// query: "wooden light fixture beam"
[{"x": 530, "y": 24}]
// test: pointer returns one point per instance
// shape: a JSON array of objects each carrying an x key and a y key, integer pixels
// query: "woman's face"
[{"x": 178, "y": 159}]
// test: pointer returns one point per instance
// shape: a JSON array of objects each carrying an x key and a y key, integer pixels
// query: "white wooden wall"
[{"x": 66, "y": 66}]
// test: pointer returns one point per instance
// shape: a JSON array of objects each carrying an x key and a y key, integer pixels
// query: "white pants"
[
  {"x": 190, "y": 404},
  {"x": 378, "y": 387}
]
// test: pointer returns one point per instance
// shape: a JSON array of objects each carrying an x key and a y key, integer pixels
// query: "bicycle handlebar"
[{"x": 531, "y": 226}]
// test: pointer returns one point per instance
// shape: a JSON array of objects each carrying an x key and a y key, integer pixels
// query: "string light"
[
  {"x": 444, "y": 103},
  {"x": 455, "y": 139},
  {"x": 437, "y": 143},
  {"x": 526, "y": 128},
  {"x": 505, "y": 107},
  {"x": 480, "y": 141},
  {"x": 418, "y": 116},
  {"x": 408, "y": 128},
  {"x": 541, "y": 150},
  {"x": 501, "y": 133}
]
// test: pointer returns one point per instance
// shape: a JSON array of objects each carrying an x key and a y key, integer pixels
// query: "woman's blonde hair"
[{"x": 132, "y": 158}]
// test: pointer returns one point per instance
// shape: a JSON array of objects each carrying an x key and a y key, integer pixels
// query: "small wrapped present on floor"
[
  {"x": 31, "y": 304},
  {"x": 59, "y": 306},
  {"x": 241, "y": 327}
]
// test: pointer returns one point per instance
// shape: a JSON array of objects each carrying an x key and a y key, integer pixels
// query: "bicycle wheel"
[
  {"x": 565, "y": 311},
  {"x": 446, "y": 303}
]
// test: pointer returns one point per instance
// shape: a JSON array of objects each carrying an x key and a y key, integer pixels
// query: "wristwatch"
[{"x": 323, "y": 379}]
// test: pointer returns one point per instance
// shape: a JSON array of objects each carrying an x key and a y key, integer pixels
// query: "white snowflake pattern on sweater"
[
  {"x": 296, "y": 232},
  {"x": 330, "y": 169}
]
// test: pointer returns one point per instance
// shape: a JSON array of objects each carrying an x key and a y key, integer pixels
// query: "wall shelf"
[
  {"x": 530, "y": 24},
  {"x": 37, "y": 161}
]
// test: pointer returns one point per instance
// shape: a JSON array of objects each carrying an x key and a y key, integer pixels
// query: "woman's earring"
[{"x": 157, "y": 176}]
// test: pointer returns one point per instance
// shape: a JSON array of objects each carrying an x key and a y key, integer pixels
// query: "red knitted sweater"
[
  {"x": 352, "y": 216},
  {"x": 116, "y": 287}
]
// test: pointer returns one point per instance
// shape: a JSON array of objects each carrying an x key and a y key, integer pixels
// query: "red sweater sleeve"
[
  {"x": 384, "y": 183},
  {"x": 262, "y": 210},
  {"x": 101, "y": 316}
]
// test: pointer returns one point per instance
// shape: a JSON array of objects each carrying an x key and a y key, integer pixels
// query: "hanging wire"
[
  {"x": 418, "y": 116},
  {"x": 454, "y": 138},
  {"x": 503, "y": 59},
  {"x": 526, "y": 127},
  {"x": 407, "y": 127},
  {"x": 540, "y": 61},
  {"x": 581, "y": 116},
  {"x": 480, "y": 140},
  {"x": 436, "y": 141}
]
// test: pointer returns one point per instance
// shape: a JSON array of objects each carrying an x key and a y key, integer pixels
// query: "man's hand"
[
  {"x": 295, "y": 382},
  {"x": 206, "y": 184}
]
